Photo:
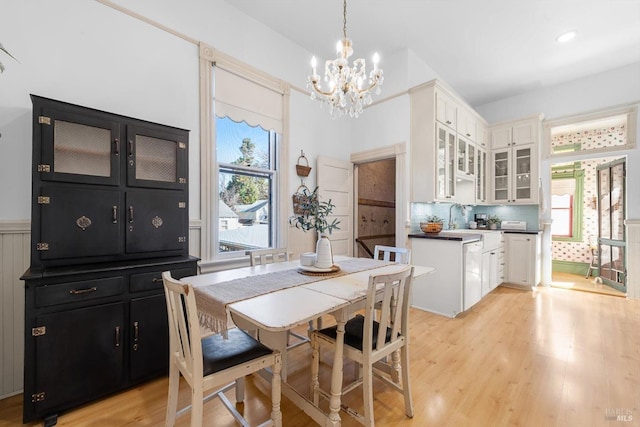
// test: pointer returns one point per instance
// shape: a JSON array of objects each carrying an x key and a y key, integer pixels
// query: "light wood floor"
[
  {"x": 580, "y": 283},
  {"x": 550, "y": 357}
]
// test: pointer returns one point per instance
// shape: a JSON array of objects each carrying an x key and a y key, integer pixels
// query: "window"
[
  {"x": 246, "y": 164},
  {"x": 603, "y": 131},
  {"x": 243, "y": 117},
  {"x": 566, "y": 201},
  {"x": 562, "y": 215}
]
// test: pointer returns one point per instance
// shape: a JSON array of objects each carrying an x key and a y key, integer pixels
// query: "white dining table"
[{"x": 274, "y": 314}]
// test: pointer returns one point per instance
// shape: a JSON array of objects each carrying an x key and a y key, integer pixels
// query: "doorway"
[
  {"x": 576, "y": 211},
  {"x": 376, "y": 206}
]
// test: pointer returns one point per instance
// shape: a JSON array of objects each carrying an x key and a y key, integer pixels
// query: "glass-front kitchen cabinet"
[
  {"x": 445, "y": 162},
  {"x": 515, "y": 176}
]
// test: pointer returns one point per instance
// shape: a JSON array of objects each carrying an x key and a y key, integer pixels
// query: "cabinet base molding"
[{"x": 516, "y": 286}]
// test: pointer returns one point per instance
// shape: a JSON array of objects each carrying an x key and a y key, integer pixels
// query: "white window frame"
[{"x": 210, "y": 259}]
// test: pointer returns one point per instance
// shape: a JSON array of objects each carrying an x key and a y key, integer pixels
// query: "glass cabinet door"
[
  {"x": 501, "y": 176},
  {"x": 79, "y": 148},
  {"x": 471, "y": 159},
  {"x": 446, "y": 158},
  {"x": 523, "y": 163},
  {"x": 156, "y": 158},
  {"x": 451, "y": 173},
  {"x": 481, "y": 175},
  {"x": 462, "y": 156}
]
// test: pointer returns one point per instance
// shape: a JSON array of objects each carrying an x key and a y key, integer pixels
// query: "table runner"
[{"x": 212, "y": 300}]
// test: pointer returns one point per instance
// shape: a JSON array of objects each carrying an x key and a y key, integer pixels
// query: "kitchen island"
[{"x": 456, "y": 285}]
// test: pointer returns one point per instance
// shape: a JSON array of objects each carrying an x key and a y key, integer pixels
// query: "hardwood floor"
[
  {"x": 580, "y": 283},
  {"x": 550, "y": 357}
]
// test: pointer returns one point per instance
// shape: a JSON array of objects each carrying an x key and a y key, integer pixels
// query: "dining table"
[{"x": 272, "y": 299}]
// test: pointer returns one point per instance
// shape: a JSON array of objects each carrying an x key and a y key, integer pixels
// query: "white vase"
[
  {"x": 324, "y": 255},
  {"x": 493, "y": 226}
]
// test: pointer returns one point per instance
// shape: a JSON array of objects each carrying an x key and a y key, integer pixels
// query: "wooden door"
[{"x": 335, "y": 179}]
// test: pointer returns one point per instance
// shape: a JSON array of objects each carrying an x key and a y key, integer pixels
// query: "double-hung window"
[{"x": 244, "y": 113}]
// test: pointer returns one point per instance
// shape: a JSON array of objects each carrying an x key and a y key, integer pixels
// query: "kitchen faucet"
[{"x": 451, "y": 222}]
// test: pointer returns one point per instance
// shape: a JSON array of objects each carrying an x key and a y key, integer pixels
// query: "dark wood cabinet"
[{"x": 109, "y": 215}]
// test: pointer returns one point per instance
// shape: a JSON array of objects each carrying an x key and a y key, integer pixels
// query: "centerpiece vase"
[{"x": 324, "y": 254}]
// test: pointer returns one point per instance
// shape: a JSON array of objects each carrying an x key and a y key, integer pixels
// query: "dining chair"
[
  {"x": 368, "y": 342},
  {"x": 400, "y": 255},
  {"x": 269, "y": 256},
  {"x": 212, "y": 362}
]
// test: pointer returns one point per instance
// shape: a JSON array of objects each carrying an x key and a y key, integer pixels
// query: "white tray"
[{"x": 314, "y": 269}]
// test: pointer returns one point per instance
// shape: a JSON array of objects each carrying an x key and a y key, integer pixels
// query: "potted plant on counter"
[
  {"x": 493, "y": 221},
  {"x": 432, "y": 224},
  {"x": 314, "y": 217}
]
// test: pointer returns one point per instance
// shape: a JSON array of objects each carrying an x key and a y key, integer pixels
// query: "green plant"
[
  {"x": 434, "y": 218},
  {"x": 314, "y": 214},
  {"x": 7, "y": 52},
  {"x": 493, "y": 219}
]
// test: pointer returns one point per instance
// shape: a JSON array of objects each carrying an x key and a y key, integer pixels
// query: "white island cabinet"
[{"x": 456, "y": 283}]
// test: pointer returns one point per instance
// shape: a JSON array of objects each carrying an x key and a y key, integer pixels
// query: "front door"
[{"x": 611, "y": 232}]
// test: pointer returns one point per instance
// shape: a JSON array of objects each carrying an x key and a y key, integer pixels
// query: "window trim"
[{"x": 208, "y": 165}]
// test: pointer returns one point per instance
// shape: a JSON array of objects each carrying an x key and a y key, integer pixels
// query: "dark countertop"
[{"x": 448, "y": 235}]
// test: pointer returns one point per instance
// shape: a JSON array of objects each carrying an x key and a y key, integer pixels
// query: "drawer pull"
[
  {"x": 130, "y": 147},
  {"x": 114, "y": 217},
  {"x": 83, "y": 291},
  {"x": 135, "y": 336},
  {"x": 116, "y": 143},
  {"x": 131, "y": 214},
  {"x": 117, "y": 336},
  {"x": 157, "y": 280}
]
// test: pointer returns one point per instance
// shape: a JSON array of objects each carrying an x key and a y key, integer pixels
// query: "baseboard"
[{"x": 571, "y": 267}]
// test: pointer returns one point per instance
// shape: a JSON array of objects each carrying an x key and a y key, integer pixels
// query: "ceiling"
[{"x": 484, "y": 49}]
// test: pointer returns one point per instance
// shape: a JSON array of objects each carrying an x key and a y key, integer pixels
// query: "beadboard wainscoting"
[
  {"x": 15, "y": 237},
  {"x": 195, "y": 231}
]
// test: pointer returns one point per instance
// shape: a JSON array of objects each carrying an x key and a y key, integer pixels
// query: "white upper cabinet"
[
  {"x": 443, "y": 160},
  {"x": 467, "y": 125},
  {"x": 515, "y": 133},
  {"x": 446, "y": 110}
]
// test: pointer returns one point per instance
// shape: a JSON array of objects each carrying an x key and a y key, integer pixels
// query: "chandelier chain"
[{"x": 344, "y": 19}]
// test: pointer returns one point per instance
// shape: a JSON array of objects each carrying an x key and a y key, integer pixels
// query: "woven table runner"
[{"x": 212, "y": 300}]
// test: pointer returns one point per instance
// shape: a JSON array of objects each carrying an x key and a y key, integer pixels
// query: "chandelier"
[{"x": 348, "y": 89}]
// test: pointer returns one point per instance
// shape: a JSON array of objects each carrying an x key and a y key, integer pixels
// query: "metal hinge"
[
  {"x": 182, "y": 205},
  {"x": 44, "y": 120},
  {"x": 182, "y": 145},
  {"x": 44, "y": 200},
  {"x": 182, "y": 239},
  {"x": 39, "y": 331},
  {"x": 182, "y": 180},
  {"x": 42, "y": 246},
  {"x": 44, "y": 168},
  {"x": 37, "y": 397}
]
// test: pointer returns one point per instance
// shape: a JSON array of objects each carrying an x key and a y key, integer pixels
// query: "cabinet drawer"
[
  {"x": 78, "y": 291},
  {"x": 150, "y": 281}
]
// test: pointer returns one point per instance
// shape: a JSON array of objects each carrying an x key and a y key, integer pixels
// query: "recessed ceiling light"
[{"x": 565, "y": 37}]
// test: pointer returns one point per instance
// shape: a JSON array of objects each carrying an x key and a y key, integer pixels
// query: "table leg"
[
  {"x": 277, "y": 341},
  {"x": 336, "y": 375}
]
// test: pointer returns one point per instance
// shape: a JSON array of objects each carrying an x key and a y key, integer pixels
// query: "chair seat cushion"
[
  {"x": 354, "y": 332},
  {"x": 220, "y": 354}
]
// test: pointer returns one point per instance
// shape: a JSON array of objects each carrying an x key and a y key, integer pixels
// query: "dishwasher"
[{"x": 472, "y": 278}]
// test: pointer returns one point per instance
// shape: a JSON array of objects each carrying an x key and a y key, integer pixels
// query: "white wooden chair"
[
  {"x": 400, "y": 255},
  {"x": 269, "y": 256},
  {"x": 369, "y": 342},
  {"x": 211, "y": 362}
]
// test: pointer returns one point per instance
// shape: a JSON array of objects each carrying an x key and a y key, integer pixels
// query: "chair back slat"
[
  {"x": 400, "y": 255},
  {"x": 391, "y": 290},
  {"x": 184, "y": 327},
  {"x": 268, "y": 256}
]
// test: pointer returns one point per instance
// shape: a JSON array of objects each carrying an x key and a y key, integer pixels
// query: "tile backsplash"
[{"x": 462, "y": 216}]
